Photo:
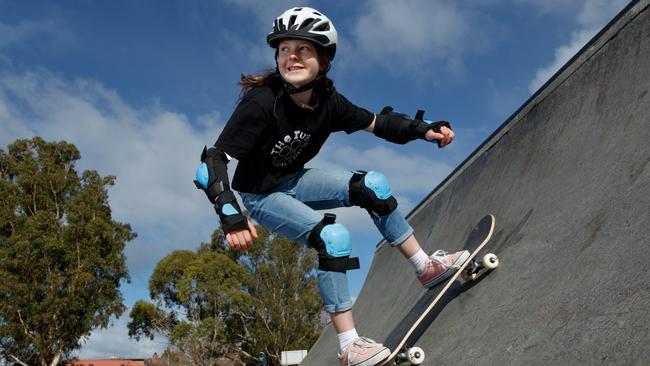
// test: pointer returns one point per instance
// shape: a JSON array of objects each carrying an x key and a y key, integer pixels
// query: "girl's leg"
[
  {"x": 322, "y": 189},
  {"x": 342, "y": 321},
  {"x": 291, "y": 213},
  {"x": 281, "y": 213},
  {"x": 409, "y": 247}
]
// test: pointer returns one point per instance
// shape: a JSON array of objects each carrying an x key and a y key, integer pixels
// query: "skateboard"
[{"x": 401, "y": 340}]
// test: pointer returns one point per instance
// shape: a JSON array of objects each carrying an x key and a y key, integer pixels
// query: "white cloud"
[
  {"x": 152, "y": 152},
  {"x": 562, "y": 54},
  {"x": 591, "y": 19},
  {"x": 409, "y": 35},
  {"x": 114, "y": 342}
]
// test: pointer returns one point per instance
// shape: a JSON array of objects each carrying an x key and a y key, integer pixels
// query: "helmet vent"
[
  {"x": 306, "y": 23},
  {"x": 292, "y": 21},
  {"x": 323, "y": 27},
  {"x": 319, "y": 14}
]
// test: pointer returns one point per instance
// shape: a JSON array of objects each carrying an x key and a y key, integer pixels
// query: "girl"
[{"x": 280, "y": 123}]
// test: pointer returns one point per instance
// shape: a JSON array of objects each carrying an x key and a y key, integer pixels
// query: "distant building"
[{"x": 292, "y": 358}]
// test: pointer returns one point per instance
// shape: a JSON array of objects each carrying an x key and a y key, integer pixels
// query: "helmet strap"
[{"x": 294, "y": 90}]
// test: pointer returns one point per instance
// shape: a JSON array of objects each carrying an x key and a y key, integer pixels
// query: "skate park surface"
[{"x": 567, "y": 177}]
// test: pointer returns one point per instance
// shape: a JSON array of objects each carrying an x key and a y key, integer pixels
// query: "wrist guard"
[
  {"x": 229, "y": 212},
  {"x": 212, "y": 175},
  {"x": 399, "y": 128}
]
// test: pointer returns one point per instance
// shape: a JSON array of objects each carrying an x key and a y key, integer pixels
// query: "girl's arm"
[
  {"x": 371, "y": 128},
  {"x": 212, "y": 178}
]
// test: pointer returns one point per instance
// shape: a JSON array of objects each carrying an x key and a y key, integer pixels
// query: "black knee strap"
[{"x": 332, "y": 241}]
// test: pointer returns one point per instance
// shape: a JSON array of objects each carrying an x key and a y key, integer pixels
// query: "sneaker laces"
[
  {"x": 363, "y": 342},
  {"x": 437, "y": 255}
]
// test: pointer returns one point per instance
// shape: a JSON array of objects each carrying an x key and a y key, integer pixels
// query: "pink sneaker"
[
  {"x": 441, "y": 267},
  {"x": 364, "y": 352}
]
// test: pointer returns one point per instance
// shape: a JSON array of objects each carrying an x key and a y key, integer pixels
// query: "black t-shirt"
[{"x": 273, "y": 138}]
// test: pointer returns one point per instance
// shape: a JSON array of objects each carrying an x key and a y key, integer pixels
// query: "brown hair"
[{"x": 272, "y": 76}]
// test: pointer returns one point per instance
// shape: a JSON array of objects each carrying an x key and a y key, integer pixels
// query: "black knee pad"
[
  {"x": 371, "y": 191},
  {"x": 333, "y": 243}
]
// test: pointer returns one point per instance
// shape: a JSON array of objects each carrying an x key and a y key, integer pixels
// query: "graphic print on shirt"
[{"x": 287, "y": 149}]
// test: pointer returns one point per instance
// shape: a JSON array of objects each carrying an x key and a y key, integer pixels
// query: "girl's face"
[{"x": 298, "y": 61}]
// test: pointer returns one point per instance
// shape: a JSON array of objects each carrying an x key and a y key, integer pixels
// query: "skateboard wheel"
[
  {"x": 415, "y": 355},
  {"x": 490, "y": 261}
]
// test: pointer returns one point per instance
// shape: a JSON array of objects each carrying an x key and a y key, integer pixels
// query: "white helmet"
[{"x": 305, "y": 23}]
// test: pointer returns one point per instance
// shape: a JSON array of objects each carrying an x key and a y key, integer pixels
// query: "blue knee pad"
[
  {"x": 334, "y": 245},
  {"x": 370, "y": 190}
]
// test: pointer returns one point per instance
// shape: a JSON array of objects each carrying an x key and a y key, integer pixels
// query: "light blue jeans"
[{"x": 290, "y": 210}]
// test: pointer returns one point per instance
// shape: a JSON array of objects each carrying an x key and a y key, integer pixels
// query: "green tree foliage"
[
  {"x": 217, "y": 304},
  {"x": 61, "y": 254},
  {"x": 286, "y": 304}
]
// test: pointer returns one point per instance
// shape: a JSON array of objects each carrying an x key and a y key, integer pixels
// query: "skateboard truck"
[
  {"x": 489, "y": 262},
  {"x": 411, "y": 356}
]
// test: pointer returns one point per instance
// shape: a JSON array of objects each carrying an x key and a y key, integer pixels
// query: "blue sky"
[{"x": 141, "y": 86}]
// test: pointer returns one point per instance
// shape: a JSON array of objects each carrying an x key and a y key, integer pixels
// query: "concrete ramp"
[{"x": 568, "y": 179}]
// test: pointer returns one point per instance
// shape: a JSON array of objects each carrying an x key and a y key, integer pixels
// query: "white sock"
[
  {"x": 419, "y": 261},
  {"x": 346, "y": 338}
]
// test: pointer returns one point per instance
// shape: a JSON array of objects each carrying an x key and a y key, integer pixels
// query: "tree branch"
[
  {"x": 34, "y": 198},
  {"x": 56, "y": 201},
  {"x": 56, "y": 359},
  {"x": 20, "y": 317},
  {"x": 18, "y": 360}
]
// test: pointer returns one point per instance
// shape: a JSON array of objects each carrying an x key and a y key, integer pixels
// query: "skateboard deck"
[{"x": 401, "y": 339}]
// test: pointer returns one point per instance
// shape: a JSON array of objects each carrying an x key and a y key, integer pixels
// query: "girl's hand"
[
  {"x": 445, "y": 136},
  {"x": 242, "y": 239}
]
